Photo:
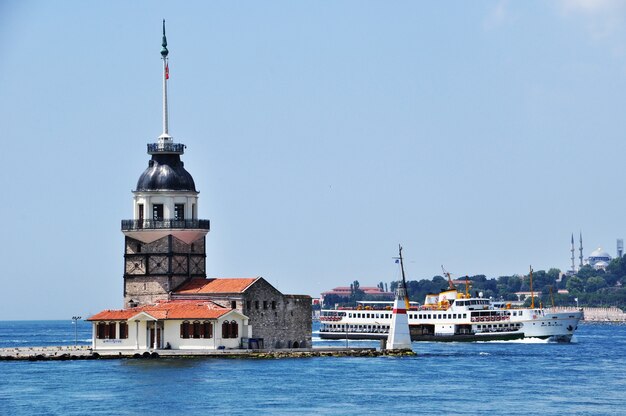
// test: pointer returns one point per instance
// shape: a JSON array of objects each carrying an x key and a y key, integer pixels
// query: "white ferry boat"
[{"x": 451, "y": 316}]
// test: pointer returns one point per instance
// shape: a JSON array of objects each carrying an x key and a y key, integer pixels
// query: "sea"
[{"x": 584, "y": 377}]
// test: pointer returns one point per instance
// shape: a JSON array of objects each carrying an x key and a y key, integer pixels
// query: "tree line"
[{"x": 587, "y": 287}]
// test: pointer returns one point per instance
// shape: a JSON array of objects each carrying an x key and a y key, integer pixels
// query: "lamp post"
[{"x": 75, "y": 320}]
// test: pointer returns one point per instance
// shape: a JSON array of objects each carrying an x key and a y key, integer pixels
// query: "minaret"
[
  {"x": 580, "y": 249},
  {"x": 165, "y": 240},
  {"x": 573, "y": 250}
]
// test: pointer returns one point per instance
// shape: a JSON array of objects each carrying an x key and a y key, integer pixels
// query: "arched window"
[
  {"x": 184, "y": 329},
  {"x": 123, "y": 330},
  {"x": 207, "y": 329},
  {"x": 225, "y": 330},
  {"x": 234, "y": 329},
  {"x": 112, "y": 330},
  {"x": 196, "y": 329},
  {"x": 103, "y": 329}
]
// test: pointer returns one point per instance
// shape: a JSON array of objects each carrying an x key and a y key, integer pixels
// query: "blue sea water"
[{"x": 585, "y": 377}]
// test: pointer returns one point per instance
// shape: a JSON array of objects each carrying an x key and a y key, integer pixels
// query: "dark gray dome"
[{"x": 165, "y": 172}]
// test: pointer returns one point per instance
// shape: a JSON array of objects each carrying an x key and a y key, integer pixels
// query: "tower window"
[
  {"x": 179, "y": 211},
  {"x": 157, "y": 212},
  {"x": 140, "y": 212}
]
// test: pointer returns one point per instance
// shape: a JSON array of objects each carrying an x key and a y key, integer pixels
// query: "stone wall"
[
  {"x": 283, "y": 321},
  {"x": 611, "y": 314}
]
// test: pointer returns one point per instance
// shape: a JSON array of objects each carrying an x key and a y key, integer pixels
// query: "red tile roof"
[
  {"x": 225, "y": 285},
  {"x": 176, "y": 309}
]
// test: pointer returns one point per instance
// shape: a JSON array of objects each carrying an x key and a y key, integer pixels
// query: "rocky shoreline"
[{"x": 64, "y": 353}]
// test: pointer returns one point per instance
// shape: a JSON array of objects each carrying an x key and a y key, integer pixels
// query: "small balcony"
[
  {"x": 137, "y": 225},
  {"x": 166, "y": 148}
]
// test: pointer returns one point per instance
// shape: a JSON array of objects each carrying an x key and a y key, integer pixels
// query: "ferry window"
[
  {"x": 454, "y": 316},
  {"x": 439, "y": 316},
  {"x": 521, "y": 313},
  {"x": 350, "y": 315},
  {"x": 123, "y": 330},
  {"x": 368, "y": 315},
  {"x": 429, "y": 316},
  {"x": 184, "y": 329},
  {"x": 464, "y": 315}
]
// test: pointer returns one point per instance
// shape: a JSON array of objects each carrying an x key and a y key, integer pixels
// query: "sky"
[{"x": 321, "y": 134}]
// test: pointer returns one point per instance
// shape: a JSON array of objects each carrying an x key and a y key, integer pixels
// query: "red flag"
[{"x": 167, "y": 71}]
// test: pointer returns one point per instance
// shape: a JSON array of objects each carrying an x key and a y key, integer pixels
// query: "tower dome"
[{"x": 165, "y": 172}]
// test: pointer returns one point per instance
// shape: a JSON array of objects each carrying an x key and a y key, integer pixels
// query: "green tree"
[
  {"x": 575, "y": 284},
  {"x": 594, "y": 283}
]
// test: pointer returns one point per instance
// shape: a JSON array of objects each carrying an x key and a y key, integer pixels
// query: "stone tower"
[{"x": 165, "y": 241}]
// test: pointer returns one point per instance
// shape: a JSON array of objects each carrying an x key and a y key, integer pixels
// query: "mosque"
[
  {"x": 599, "y": 259},
  {"x": 168, "y": 300}
]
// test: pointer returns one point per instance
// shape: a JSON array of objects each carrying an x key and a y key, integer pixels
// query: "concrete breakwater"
[
  {"x": 611, "y": 314},
  {"x": 62, "y": 353}
]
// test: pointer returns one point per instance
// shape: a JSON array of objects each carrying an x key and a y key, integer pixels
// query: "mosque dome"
[
  {"x": 165, "y": 172},
  {"x": 599, "y": 253}
]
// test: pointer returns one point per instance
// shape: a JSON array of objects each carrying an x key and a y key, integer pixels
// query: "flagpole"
[{"x": 164, "y": 53}]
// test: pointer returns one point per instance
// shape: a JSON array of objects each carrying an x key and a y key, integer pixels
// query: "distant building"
[
  {"x": 598, "y": 259},
  {"x": 346, "y": 292}
]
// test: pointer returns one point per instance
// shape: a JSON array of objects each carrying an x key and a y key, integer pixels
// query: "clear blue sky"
[{"x": 320, "y": 135}]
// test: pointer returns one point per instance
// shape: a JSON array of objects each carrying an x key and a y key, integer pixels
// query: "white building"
[{"x": 178, "y": 324}]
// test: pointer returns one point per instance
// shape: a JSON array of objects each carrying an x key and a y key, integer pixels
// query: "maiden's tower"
[{"x": 168, "y": 300}]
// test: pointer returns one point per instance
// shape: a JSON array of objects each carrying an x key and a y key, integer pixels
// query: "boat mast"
[{"x": 532, "y": 294}]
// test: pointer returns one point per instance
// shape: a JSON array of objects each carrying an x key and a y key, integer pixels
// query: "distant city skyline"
[{"x": 320, "y": 135}]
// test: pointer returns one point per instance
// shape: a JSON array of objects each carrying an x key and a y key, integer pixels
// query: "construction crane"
[{"x": 447, "y": 274}]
